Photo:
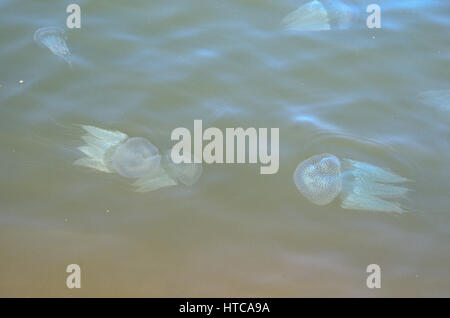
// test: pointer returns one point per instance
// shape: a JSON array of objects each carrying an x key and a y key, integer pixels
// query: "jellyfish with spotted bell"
[
  {"x": 359, "y": 185},
  {"x": 321, "y": 16},
  {"x": 132, "y": 157},
  {"x": 54, "y": 39}
]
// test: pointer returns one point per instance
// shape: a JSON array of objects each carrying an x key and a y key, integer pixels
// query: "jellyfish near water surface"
[
  {"x": 136, "y": 157},
  {"x": 360, "y": 186}
]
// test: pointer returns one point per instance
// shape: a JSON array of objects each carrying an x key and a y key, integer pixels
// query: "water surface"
[{"x": 147, "y": 67}]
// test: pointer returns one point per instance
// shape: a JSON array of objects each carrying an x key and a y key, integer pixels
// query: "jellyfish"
[
  {"x": 187, "y": 172},
  {"x": 54, "y": 39},
  {"x": 131, "y": 157},
  {"x": 135, "y": 157},
  {"x": 360, "y": 186},
  {"x": 321, "y": 16}
]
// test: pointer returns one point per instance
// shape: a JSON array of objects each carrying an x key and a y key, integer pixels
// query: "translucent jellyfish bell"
[
  {"x": 359, "y": 185},
  {"x": 54, "y": 39},
  {"x": 186, "y": 172},
  {"x": 135, "y": 158},
  {"x": 319, "y": 178},
  {"x": 321, "y": 15}
]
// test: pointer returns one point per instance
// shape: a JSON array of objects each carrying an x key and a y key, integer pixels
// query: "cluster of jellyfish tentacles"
[
  {"x": 321, "y": 178},
  {"x": 54, "y": 39},
  {"x": 322, "y": 15}
]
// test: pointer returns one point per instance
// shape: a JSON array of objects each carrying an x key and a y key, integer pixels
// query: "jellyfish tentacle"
[
  {"x": 341, "y": 14},
  {"x": 321, "y": 16},
  {"x": 111, "y": 137},
  {"x": 91, "y": 163},
  {"x": 98, "y": 143},
  {"x": 369, "y": 185},
  {"x": 380, "y": 189},
  {"x": 158, "y": 179},
  {"x": 54, "y": 38},
  {"x": 357, "y": 201},
  {"x": 311, "y": 16},
  {"x": 92, "y": 152},
  {"x": 95, "y": 142},
  {"x": 365, "y": 170},
  {"x": 365, "y": 194}
]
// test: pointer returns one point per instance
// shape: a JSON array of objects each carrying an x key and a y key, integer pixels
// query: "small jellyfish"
[
  {"x": 321, "y": 16},
  {"x": 54, "y": 39},
  {"x": 359, "y": 185},
  {"x": 136, "y": 157},
  {"x": 187, "y": 172}
]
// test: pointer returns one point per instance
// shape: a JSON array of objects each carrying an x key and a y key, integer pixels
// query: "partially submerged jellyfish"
[
  {"x": 321, "y": 16},
  {"x": 360, "y": 186},
  {"x": 187, "y": 172},
  {"x": 170, "y": 173},
  {"x": 136, "y": 157},
  {"x": 54, "y": 39}
]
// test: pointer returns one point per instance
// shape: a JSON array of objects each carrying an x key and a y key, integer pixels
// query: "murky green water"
[{"x": 147, "y": 67}]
